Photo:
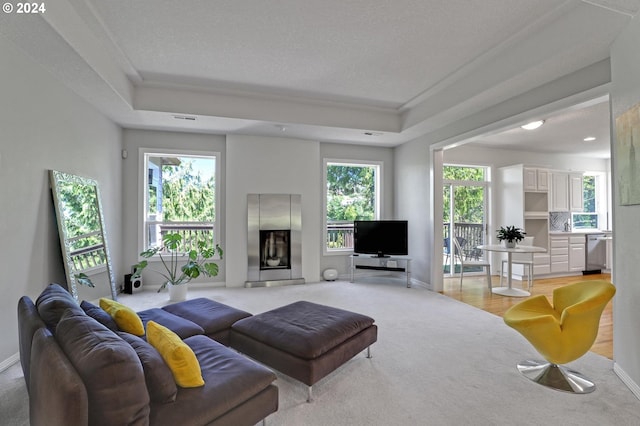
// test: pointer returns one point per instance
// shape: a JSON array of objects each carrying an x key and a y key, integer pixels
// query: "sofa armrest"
[
  {"x": 57, "y": 396},
  {"x": 28, "y": 323}
]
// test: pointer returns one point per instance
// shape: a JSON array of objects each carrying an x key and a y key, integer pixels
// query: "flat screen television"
[{"x": 381, "y": 237}]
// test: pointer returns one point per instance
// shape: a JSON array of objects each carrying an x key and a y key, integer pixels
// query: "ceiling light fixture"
[
  {"x": 589, "y": 139},
  {"x": 533, "y": 125}
]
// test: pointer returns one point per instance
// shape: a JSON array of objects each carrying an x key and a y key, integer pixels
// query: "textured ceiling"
[
  {"x": 381, "y": 53},
  {"x": 360, "y": 71}
]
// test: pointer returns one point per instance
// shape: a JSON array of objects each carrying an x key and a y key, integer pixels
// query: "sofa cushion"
[
  {"x": 182, "y": 327},
  {"x": 110, "y": 369},
  {"x": 124, "y": 316},
  {"x": 212, "y": 316},
  {"x": 99, "y": 314},
  {"x": 178, "y": 355},
  {"x": 230, "y": 380},
  {"x": 53, "y": 302},
  {"x": 160, "y": 384}
]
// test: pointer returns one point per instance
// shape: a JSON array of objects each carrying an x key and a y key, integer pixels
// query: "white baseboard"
[
  {"x": 633, "y": 386},
  {"x": 9, "y": 361},
  {"x": 419, "y": 283}
]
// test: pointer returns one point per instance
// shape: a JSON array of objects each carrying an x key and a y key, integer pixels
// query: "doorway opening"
[{"x": 465, "y": 201}]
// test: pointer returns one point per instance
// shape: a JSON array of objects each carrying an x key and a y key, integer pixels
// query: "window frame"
[
  {"x": 379, "y": 166},
  {"x": 143, "y": 181},
  {"x": 600, "y": 201}
]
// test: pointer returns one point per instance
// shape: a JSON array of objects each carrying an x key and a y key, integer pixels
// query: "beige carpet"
[{"x": 437, "y": 362}]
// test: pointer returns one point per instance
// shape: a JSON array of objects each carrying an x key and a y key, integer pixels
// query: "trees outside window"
[
  {"x": 179, "y": 197},
  {"x": 352, "y": 193},
  {"x": 588, "y": 218}
]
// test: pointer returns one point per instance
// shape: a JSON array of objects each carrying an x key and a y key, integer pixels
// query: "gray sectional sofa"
[{"x": 79, "y": 370}]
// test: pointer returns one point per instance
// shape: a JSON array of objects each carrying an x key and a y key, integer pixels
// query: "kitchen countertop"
[{"x": 580, "y": 232}]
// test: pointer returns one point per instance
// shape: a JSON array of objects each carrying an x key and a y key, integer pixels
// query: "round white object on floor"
[{"x": 330, "y": 274}]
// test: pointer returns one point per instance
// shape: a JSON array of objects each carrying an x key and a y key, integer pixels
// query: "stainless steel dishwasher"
[{"x": 596, "y": 253}]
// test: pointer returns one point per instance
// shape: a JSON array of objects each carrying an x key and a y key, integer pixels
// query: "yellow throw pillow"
[
  {"x": 126, "y": 319},
  {"x": 178, "y": 355}
]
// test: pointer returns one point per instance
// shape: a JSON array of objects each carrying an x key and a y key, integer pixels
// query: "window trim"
[
  {"x": 379, "y": 165},
  {"x": 143, "y": 179},
  {"x": 600, "y": 201}
]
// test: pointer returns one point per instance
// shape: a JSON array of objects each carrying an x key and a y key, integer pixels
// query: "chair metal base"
[{"x": 556, "y": 377}]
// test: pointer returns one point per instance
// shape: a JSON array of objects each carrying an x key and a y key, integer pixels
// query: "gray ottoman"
[
  {"x": 304, "y": 340},
  {"x": 215, "y": 318}
]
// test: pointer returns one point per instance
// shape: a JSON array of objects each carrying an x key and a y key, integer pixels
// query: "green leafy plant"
[
  {"x": 197, "y": 263},
  {"x": 510, "y": 234},
  {"x": 83, "y": 279}
]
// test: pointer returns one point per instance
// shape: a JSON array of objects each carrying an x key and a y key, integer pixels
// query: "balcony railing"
[
  {"x": 192, "y": 234},
  {"x": 470, "y": 236},
  {"x": 87, "y": 253},
  {"x": 89, "y": 259},
  {"x": 339, "y": 235}
]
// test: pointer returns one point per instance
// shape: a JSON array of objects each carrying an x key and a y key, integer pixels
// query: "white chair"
[
  {"x": 524, "y": 259},
  {"x": 465, "y": 263}
]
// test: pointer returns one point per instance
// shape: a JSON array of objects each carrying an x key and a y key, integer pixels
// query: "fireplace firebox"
[
  {"x": 274, "y": 249},
  {"x": 274, "y": 240}
]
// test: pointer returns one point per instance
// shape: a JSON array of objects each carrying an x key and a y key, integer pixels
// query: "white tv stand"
[{"x": 398, "y": 264}]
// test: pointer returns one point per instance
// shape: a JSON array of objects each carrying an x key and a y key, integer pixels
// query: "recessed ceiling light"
[
  {"x": 589, "y": 139},
  {"x": 533, "y": 125}
]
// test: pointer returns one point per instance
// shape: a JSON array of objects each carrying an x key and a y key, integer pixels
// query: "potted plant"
[
  {"x": 510, "y": 235},
  {"x": 197, "y": 263}
]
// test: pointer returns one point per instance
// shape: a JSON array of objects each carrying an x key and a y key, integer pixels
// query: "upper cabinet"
[
  {"x": 559, "y": 192},
  {"x": 566, "y": 192},
  {"x": 535, "y": 179},
  {"x": 576, "y": 192}
]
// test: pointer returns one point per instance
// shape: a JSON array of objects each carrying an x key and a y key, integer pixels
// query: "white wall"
[
  {"x": 133, "y": 141},
  {"x": 45, "y": 126},
  {"x": 262, "y": 165},
  {"x": 625, "y": 66},
  {"x": 412, "y": 202},
  {"x": 363, "y": 153}
]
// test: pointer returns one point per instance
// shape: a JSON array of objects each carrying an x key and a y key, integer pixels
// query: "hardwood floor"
[{"x": 476, "y": 293}]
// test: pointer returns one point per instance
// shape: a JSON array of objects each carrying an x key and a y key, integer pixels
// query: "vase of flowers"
[
  {"x": 510, "y": 235},
  {"x": 178, "y": 273}
]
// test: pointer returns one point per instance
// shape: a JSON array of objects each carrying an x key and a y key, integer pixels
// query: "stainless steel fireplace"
[{"x": 274, "y": 240}]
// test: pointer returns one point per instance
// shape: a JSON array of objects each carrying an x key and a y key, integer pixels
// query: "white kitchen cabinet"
[
  {"x": 559, "y": 254},
  {"x": 566, "y": 192},
  {"x": 576, "y": 193},
  {"x": 567, "y": 253},
  {"x": 609, "y": 256},
  {"x": 559, "y": 192},
  {"x": 577, "y": 252},
  {"x": 535, "y": 179}
]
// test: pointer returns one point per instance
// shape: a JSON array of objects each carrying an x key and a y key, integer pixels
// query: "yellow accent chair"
[{"x": 561, "y": 333}]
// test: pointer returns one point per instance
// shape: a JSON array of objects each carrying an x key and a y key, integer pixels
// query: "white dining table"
[{"x": 509, "y": 290}]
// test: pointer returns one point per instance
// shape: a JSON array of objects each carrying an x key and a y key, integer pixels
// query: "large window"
[
  {"x": 592, "y": 193},
  {"x": 179, "y": 197},
  {"x": 352, "y": 193}
]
